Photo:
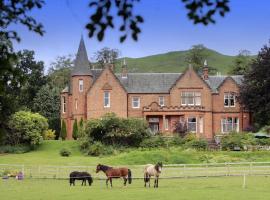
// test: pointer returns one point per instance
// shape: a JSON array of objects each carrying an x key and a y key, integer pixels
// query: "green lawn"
[
  {"x": 48, "y": 154},
  {"x": 225, "y": 188}
]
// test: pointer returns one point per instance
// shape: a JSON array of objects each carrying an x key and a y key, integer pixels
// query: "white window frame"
[
  {"x": 229, "y": 96},
  {"x": 192, "y": 122},
  {"x": 138, "y": 101},
  {"x": 161, "y": 101},
  {"x": 194, "y": 96},
  {"x": 64, "y": 104},
  {"x": 107, "y": 97},
  {"x": 234, "y": 124},
  {"x": 80, "y": 85}
]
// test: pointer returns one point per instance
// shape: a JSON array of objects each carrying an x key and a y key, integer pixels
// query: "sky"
[{"x": 166, "y": 28}]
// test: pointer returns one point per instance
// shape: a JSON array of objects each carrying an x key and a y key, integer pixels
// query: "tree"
[
  {"x": 47, "y": 103},
  {"x": 32, "y": 72},
  {"x": 106, "y": 55},
  {"x": 63, "y": 133},
  {"x": 241, "y": 63},
  {"x": 196, "y": 56},
  {"x": 254, "y": 91},
  {"x": 75, "y": 130},
  {"x": 199, "y": 11}
]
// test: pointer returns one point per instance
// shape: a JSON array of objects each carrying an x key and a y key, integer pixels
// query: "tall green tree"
[
  {"x": 241, "y": 63},
  {"x": 63, "y": 133},
  {"x": 47, "y": 103},
  {"x": 255, "y": 90},
  {"x": 75, "y": 130}
]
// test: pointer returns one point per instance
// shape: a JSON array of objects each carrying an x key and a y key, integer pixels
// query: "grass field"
[
  {"x": 48, "y": 154},
  {"x": 225, "y": 188}
]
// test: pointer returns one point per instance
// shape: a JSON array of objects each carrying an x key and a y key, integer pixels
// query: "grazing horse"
[
  {"x": 111, "y": 173},
  {"x": 152, "y": 170},
  {"x": 80, "y": 176}
]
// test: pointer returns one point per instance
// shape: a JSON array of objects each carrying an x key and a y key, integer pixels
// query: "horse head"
[
  {"x": 98, "y": 168},
  {"x": 159, "y": 166}
]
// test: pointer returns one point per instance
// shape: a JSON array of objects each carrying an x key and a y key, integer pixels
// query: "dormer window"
[
  {"x": 191, "y": 98},
  {"x": 80, "y": 85},
  {"x": 229, "y": 99},
  {"x": 161, "y": 101}
]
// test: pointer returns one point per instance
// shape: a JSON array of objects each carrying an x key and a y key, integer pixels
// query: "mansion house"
[{"x": 207, "y": 105}]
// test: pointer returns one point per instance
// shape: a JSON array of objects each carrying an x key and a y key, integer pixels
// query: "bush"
[
  {"x": 26, "y": 128},
  {"x": 49, "y": 134},
  {"x": 63, "y": 132},
  {"x": 153, "y": 142},
  {"x": 115, "y": 131},
  {"x": 15, "y": 149},
  {"x": 198, "y": 144},
  {"x": 65, "y": 152},
  {"x": 75, "y": 130},
  {"x": 176, "y": 141},
  {"x": 263, "y": 141},
  {"x": 236, "y": 140},
  {"x": 97, "y": 149}
]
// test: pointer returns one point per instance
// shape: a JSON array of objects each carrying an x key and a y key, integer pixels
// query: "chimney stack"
[{"x": 205, "y": 70}]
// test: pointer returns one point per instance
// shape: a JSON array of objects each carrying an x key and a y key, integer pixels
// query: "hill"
[{"x": 175, "y": 62}]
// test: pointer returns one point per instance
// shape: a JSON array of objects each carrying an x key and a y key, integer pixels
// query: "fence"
[{"x": 168, "y": 172}]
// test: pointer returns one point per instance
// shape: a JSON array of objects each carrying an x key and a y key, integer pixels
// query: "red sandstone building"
[{"x": 206, "y": 104}]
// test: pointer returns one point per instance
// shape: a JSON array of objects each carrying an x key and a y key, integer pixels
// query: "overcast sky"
[{"x": 166, "y": 28}]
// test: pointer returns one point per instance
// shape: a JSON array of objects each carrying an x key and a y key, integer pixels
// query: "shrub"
[
  {"x": 198, "y": 144},
  {"x": 26, "y": 128},
  {"x": 63, "y": 132},
  {"x": 112, "y": 130},
  {"x": 97, "y": 149},
  {"x": 263, "y": 141},
  {"x": 237, "y": 140},
  {"x": 75, "y": 130},
  {"x": 15, "y": 149},
  {"x": 65, "y": 152},
  {"x": 176, "y": 141},
  {"x": 153, "y": 142},
  {"x": 49, "y": 134}
]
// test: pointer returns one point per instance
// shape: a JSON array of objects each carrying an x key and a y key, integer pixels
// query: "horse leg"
[
  {"x": 111, "y": 181},
  {"x": 107, "y": 182},
  {"x": 125, "y": 181},
  {"x": 149, "y": 178},
  {"x": 157, "y": 182}
]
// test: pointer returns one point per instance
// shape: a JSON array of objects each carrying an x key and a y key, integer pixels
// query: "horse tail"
[
  {"x": 129, "y": 176},
  {"x": 90, "y": 180}
]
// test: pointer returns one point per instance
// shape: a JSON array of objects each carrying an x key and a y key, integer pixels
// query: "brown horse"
[{"x": 115, "y": 173}]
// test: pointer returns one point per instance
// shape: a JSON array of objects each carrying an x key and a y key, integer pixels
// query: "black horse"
[{"x": 80, "y": 176}]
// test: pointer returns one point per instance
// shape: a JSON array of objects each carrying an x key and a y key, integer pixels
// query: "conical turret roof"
[{"x": 82, "y": 64}]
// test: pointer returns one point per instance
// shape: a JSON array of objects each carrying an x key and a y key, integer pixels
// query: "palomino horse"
[
  {"x": 152, "y": 170},
  {"x": 115, "y": 173},
  {"x": 80, "y": 176}
]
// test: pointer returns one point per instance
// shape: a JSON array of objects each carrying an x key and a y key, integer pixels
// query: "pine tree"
[
  {"x": 75, "y": 130},
  {"x": 63, "y": 132}
]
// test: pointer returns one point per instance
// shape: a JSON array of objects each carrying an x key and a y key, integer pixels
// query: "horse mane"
[{"x": 105, "y": 167}]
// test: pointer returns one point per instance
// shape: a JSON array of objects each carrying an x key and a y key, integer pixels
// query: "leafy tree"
[
  {"x": 63, "y": 133},
  {"x": 241, "y": 63},
  {"x": 199, "y": 11},
  {"x": 75, "y": 130},
  {"x": 254, "y": 91},
  {"x": 196, "y": 56},
  {"x": 32, "y": 72},
  {"x": 47, "y": 103},
  {"x": 106, "y": 55},
  {"x": 26, "y": 128}
]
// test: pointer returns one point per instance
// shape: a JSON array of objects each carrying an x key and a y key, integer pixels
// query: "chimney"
[
  {"x": 124, "y": 69},
  {"x": 205, "y": 71},
  {"x": 109, "y": 65}
]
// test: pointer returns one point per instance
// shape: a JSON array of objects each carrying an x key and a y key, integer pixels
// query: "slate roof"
[
  {"x": 148, "y": 82},
  {"x": 81, "y": 64},
  {"x": 215, "y": 81}
]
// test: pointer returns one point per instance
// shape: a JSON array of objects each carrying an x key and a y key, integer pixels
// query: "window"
[
  {"x": 161, "y": 101},
  {"x": 81, "y": 85},
  {"x": 191, "y": 98},
  {"x": 106, "y": 99},
  {"x": 166, "y": 125},
  {"x": 229, "y": 124},
  {"x": 135, "y": 102},
  {"x": 229, "y": 99},
  {"x": 64, "y": 104},
  {"x": 76, "y": 104},
  {"x": 192, "y": 124}
]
